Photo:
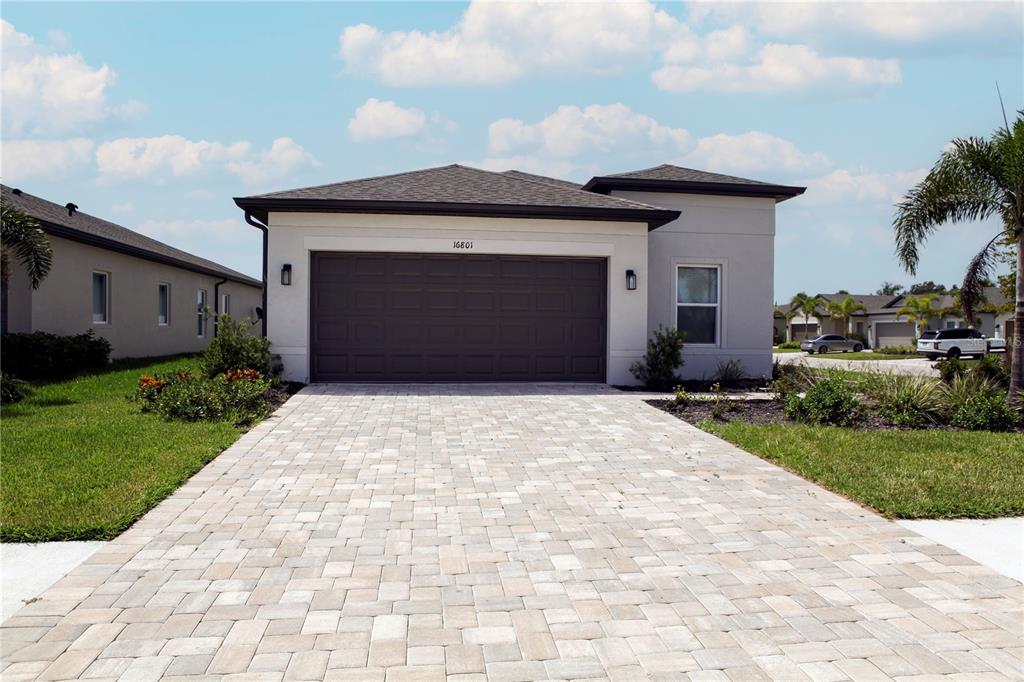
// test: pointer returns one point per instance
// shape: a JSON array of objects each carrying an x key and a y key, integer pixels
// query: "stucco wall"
[
  {"x": 63, "y": 302},
  {"x": 738, "y": 235},
  {"x": 294, "y": 235}
]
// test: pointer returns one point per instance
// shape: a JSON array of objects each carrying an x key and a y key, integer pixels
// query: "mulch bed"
[
  {"x": 752, "y": 412},
  {"x": 276, "y": 396}
]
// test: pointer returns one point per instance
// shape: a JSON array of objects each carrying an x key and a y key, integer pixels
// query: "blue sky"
[{"x": 154, "y": 115}]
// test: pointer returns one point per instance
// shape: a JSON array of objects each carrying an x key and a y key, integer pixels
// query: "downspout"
[
  {"x": 216, "y": 305},
  {"x": 262, "y": 228}
]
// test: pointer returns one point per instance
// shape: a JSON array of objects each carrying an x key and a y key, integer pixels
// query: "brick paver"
[{"x": 511, "y": 533}]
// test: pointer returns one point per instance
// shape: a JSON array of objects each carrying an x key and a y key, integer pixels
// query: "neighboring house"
[
  {"x": 881, "y": 325},
  {"x": 455, "y": 273},
  {"x": 145, "y": 297}
]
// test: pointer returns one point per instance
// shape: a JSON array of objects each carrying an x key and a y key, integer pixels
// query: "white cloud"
[
  {"x": 898, "y": 22},
  {"x": 571, "y": 130},
  {"x": 284, "y": 157},
  {"x": 143, "y": 156},
  {"x": 753, "y": 151},
  {"x": 772, "y": 68},
  {"x": 496, "y": 42},
  {"x": 554, "y": 168},
  {"x": 47, "y": 92},
  {"x": 383, "y": 120},
  {"x": 861, "y": 186},
  {"x": 47, "y": 159}
]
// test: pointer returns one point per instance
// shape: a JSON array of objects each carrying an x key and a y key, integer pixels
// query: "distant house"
[
  {"x": 145, "y": 297},
  {"x": 880, "y": 324}
]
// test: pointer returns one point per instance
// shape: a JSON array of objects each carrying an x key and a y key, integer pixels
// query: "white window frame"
[
  {"x": 225, "y": 304},
  {"x": 167, "y": 298},
  {"x": 201, "y": 316},
  {"x": 719, "y": 269},
  {"x": 106, "y": 294}
]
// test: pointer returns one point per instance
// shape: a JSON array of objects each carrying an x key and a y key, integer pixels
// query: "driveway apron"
[{"x": 510, "y": 532}]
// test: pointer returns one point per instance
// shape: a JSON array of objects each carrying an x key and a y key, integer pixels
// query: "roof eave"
[
  {"x": 72, "y": 234},
  {"x": 604, "y": 185},
  {"x": 261, "y": 207}
]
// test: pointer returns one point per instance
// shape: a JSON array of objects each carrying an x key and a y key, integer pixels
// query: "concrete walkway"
[
  {"x": 27, "y": 569},
  {"x": 511, "y": 533},
  {"x": 996, "y": 543},
  {"x": 914, "y": 366}
]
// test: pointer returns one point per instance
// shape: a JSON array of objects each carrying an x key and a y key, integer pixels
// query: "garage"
[
  {"x": 457, "y": 317},
  {"x": 893, "y": 334}
]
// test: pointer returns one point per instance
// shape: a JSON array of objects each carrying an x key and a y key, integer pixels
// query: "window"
[
  {"x": 225, "y": 304},
  {"x": 201, "y": 312},
  {"x": 950, "y": 324},
  {"x": 860, "y": 328},
  {"x": 100, "y": 297},
  {"x": 697, "y": 303},
  {"x": 163, "y": 304}
]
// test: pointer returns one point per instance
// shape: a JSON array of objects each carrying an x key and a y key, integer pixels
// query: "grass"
[
  {"x": 901, "y": 474},
  {"x": 786, "y": 350},
  {"x": 80, "y": 462}
]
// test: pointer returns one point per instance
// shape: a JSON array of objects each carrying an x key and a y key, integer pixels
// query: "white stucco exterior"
[
  {"x": 293, "y": 236},
  {"x": 736, "y": 234}
]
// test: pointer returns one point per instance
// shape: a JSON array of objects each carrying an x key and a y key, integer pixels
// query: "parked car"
[
  {"x": 952, "y": 343},
  {"x": 831, "y": 343}
]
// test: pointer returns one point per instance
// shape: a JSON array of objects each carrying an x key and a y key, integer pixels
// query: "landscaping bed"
[
  {"x": 745, "y": 411},
  {"x": 81, "y": 461}
]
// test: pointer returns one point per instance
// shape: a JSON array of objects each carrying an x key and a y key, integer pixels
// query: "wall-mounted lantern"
[
  {"x": 286, "y": 274},
  {"x": 631, "y": 280}
]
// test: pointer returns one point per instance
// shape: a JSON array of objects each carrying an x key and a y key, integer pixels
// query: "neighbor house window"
[
  {"x": 163, "y": 304},
  {"x": 225, "y": 304},
  {"x": 201, "y": 312},
  {"x": 698, "y": 302},
  {"x": 100, "y": 297}
]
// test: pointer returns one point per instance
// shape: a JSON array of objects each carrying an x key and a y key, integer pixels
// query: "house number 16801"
[{"x": 462, "y": 244}]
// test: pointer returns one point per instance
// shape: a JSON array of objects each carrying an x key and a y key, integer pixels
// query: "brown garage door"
[
  {"x": 436, "y": 317},
  {"x": 893, "y": 334}
]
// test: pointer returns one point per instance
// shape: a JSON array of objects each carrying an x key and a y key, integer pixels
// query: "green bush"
[
  {"x": 729, "y": 373},
  {"x": 11, "y": 389},
  {"x": 829, "y": 401},
  {"x": 994, "y": 368},
  {"x": 193, "y": 399},
  {"x": 789, "y": 379},
  {"x": 909, "y": 401},
  {"x": 950, "y": 369},
  {"x": 789, "y": 344},
  {"x": 896, "y": 350},
  {"x": 39, "y": 356},
  {"x": 659, "y": 368},
  {"x": 682, "y": 397},
  {"x": 238, "y": 396},
  {"x": 234, "y": 347},
  {"x": 981, "y": 412}
]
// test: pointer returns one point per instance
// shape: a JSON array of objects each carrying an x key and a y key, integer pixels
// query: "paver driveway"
[{"x": 522, "y": 533}]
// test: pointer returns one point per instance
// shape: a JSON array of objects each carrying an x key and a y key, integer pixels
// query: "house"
[
  {"x": 880, "y": 323},
  {"x": 460, "y": 274},
  {"x": 145, "y": 297}
]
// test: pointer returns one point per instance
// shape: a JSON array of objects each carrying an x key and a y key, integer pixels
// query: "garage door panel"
[{"x": 421, "y": 317}]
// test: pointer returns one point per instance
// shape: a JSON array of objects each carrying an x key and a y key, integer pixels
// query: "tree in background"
[
  {"x": 805, "y": 305},
  {"x": 890, "y": 289},
  {"x": 926, "y": 287},
  {"x": 974, "y": 179},
  {"x": 844, "y": 310},
  {"x": 919, "y": 311}
]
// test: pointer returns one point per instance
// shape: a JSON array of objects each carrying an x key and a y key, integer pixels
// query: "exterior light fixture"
[
  {"x": 631, "y": 280},
  {"x": 286, "y": 274}
]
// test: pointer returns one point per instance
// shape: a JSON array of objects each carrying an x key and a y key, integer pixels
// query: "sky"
[{"x": 154, "y": 115}]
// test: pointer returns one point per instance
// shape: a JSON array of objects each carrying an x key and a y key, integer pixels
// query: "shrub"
[
  {"x": 859, "y": 338},
  {"x": 11, "y": 389},
  {"x": 729, "y": 373},
  {"x": 236, "y": 395},
  {"x": 977, "y": 404},
  {"x": 235, "y": 348},
  {"x": 789, "y": 379},
  {"x": 995, "y": 368},
  {"x": 789, "y": 344},
  {"x": 950, "y": 369},
  {"x": 39, "y": 356},
  {"x": 192, "y": 399},
  {"x": 909, "y": 401},
  {"x": 896, "y": 350},
  {"x": 682, "y": 397},
  {"x": 658, "y": 370},
  {"x": 829, "y": 401}
]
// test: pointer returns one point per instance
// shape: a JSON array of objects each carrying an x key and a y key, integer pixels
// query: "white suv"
[{"x": 953, "y": 343}]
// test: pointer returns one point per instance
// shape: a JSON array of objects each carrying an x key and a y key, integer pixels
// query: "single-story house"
[
  {"x": 460, "y": 274},
  {"x": 145, "y": 297},
  {"x": 881, "y": 324}
]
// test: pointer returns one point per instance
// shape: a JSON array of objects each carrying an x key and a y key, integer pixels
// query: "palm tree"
[
  {"x": 974, "y": 179},
  {"x": 21, "y": 235},
  {"x": 844, "y": 310},
  {"x": 919, "y": 311},
  {"x": 805, "y": 305}
]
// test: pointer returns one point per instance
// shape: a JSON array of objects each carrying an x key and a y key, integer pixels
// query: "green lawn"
[
  {"x": 786, "y": 350},
  {"x": 902, "y": 474},
  {"x": 869, "y": 356},
  {"x": 82, "y": 462}
]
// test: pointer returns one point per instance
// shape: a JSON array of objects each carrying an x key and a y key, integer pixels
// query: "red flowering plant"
[
  {"x": 234, "y": 375},
  {"x": 150, "y": 387}
]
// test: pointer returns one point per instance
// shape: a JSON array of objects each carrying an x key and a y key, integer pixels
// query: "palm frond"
[
  {"x": 21, "y": 235},
  {"x": 972, "y": 291}
]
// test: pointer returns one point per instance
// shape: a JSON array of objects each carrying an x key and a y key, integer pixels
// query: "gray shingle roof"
[
  {"x": 667, "y": 171},
  {"x": 89, "y": 229},
  {"x": 670, "y": 178},
  {"x": 568, "y": 184},
  {"x": 455, "y": 184}
]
